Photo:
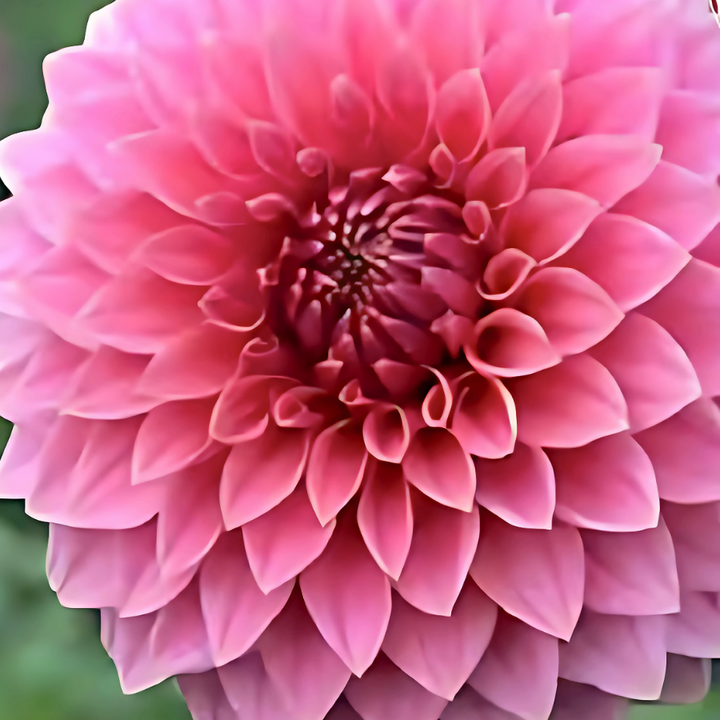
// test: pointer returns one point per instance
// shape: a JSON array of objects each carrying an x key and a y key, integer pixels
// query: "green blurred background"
[{"x": 52, "y": 665}]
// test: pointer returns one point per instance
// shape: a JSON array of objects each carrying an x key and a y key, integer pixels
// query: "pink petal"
[
  {"x": 631, "y": 260},
  {"x": 284, "y": 541},
  {"x": 518, "y": 672},
  {"x": 236, "y": 611},
  {"x": 631, "y": 573},
  {"x": 190, "y": 520},
  {"x": 261, "y": 473},
  {"x": 308, "y": 689},
  {"x": 508, "y": 343},
  {"x": 529, "y": 116},
  {"x": 619, "y": 654},
  {"x": 687, "y": 680},
  {"x": 614, "y": 101},
  {"x": 140, "y": 312},
  {"x": 484, "y": 418},
  {"x": 499, "y": 179},
  {"x": 335, "y": 469},
  {"x": 574, "y": 312},
  {"x": 535, "y": 575},
  {"x": 386, "y": 433},
  {"x": 386, "y": 693},
  {"x": 608, "y": 484},
  {"x": 605, "y": 167},
  {"x": 462, "y": 114},
  {"x": 505, "y": 273},
  {"x": 437, "y": 465},
  {"x": 459, "y": 294},
  {"x": 685, "y": 451},
  {"x": 569, "y": 405},
  {"x": 385, "y": 517},
  {"x": 468, "y": 705},
  {"x": 689, "y": 309},
  {"x": 547, "y": 222},
  {"x": 443, "y": 547},
  {"x": 575, "y": 700},
  {"x": 348, "y": 597},
  {"x": 205, "y": 696},
  {"x": 676, "y": 201},
  {"x": 171, "y": 437},
  {"x": 196, "y": 364},
  {"x": 438, "y": 652},
  {"x": 695, "y": 630},
  {"x": 656, "y": 377},
  {"x": 519, "y": 488}
]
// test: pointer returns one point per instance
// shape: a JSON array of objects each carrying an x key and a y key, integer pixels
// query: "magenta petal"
[
  {"x": 443, "y": 546},
  {"x": 308, "y": 690},
  {"x": 547, "y": 222},
  {"x": 437, "y": 465},
  {"x": 689, "y": 309},
  {"x": 484, "y": 418},
  {"x": 574, "y": 312},
  {"x": 385, "y": 517},
  {"x": 631, "y": 573},
  {"x": 620, "y": 654},
  {"x": 519, "y": 488},
  {"x": 348, "y": 597},
  {"x": 631, "y": 260},
  {"x": 440, "y": 653},
  {"x": 535, "y": 575},
  {"x": 608, "y": 484},
  {"x": 236, "y": 611},
  {"x": 261, "y": 473},
  {"x": 386, "y": 693},
  {"x": 462, "y": 113},
  {"x": 284, "y": 541},
  {"x": 605, "y": 167},
  {"x": 519, "y": 670},
  {"x": 685, "y": 451},
  {"x": 386, "y": 433},
  {"x": 656, "y": 377},
  {"x": 335, "y": 469},
  {"x": 569, "y": 405}
]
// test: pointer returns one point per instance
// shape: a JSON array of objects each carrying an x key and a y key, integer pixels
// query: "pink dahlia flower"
[{"x": 364, "y": 355}]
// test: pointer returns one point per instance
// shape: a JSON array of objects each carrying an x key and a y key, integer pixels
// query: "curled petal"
[
  {"x": 508, "y": 343},
  {"x": 535, "y": 575},
  {"x": 499, "y": 179},
  {"x": 386, "y": 433},
  {"x": 608, "y": 484},
  {"x": 438, "y": 402},
  {"x": 505, "y": 273},
  {"x": 437, "y": 465},
  {"x": 439, "y": 652}
]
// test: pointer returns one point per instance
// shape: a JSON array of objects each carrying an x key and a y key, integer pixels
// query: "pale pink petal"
[
  {"x": 620, "y": 654},
  {"x": 438, "y": 652},
  {"x": 385, "y": 517},
  {"x": 656, "y": 377},
  {"x": 437, "y": 465},
  {"x": 284, "y": 541},
  {"x": 335, "y": 469},
  {"x": 261, "y": 473},
  {"x": 631, "y": 573},
  {"x": 519, "y": 488},
  {"x": 569, "y": 405},
  {"x": 236, "y": 611},
  {"x": 519, "y": 670},
  {"x": 348, "y": 598},
  {"x": 443, "y": 546},
  {"x": 535, "y": 575},
  {"x": 605, "y": 167}
]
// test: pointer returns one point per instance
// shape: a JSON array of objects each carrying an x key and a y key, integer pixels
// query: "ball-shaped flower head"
[{"x": 364, "y": 355}]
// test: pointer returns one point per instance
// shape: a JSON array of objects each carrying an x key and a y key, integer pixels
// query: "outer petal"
[
  {"x": 536, "y": 575},
  {"x": 441, "y": 652}
]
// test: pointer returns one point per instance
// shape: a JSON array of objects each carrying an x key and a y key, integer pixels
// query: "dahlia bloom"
[{"x": 364, "y": 354}]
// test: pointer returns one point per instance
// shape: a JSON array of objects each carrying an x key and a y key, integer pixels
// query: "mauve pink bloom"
[{"x": 364, "y": 355}]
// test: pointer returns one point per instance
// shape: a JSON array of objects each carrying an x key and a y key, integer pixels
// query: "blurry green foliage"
[{"x": 52, "y": 665}]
